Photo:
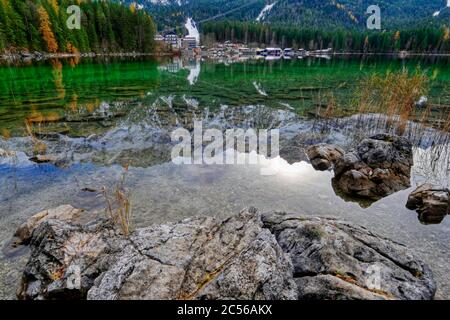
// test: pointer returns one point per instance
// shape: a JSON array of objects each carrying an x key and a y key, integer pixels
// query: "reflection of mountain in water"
[{"x": 142, "y": 137}]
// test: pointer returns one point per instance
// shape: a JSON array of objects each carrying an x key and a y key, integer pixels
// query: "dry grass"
[
  {"x": 39, "y": 147},
  {"x": 118, "y": 205},
  {"x": 331, "y": 106},
  {"x": 447, "y": 123},
  {"x": 394, "y": 93}
]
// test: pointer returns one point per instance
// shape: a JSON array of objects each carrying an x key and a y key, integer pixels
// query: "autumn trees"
[
  {"x": 40, "y": 25},
  {"x": 46, "y": 30}
]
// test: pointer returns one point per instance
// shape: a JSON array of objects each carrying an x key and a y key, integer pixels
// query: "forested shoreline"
[
  {"x": 111, "y": 27},
  {"x": 40, "y": 25},
  {"x": 423, "y": 40}
]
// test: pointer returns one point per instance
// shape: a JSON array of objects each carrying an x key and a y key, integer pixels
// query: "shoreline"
[
  {"x": 415, "y": 54},
  {"x": 37, "y": 56}
]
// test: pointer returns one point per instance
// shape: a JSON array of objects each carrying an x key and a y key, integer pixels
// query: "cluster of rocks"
[
  {"x": 432, "y": 203},
  {"x": 377, "y": 167},
  {"x": 36, "y": 55},
  {"x": 247, "y": 256}
]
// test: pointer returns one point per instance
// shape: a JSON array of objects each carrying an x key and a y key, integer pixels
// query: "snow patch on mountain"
[
  {"x": 192, "y": 29},
  {"x": 262, "y": 15},
  {"x": 437, "y": 13},
  {"x": 165, "y": 2}
]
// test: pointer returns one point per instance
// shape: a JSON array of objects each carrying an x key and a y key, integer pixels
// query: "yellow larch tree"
[{"x": 45, "y": 28}]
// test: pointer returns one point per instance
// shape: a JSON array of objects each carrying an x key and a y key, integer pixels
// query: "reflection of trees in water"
[
  {"x": 433, "y": 164},
  {"x": 58, "y": 78}
]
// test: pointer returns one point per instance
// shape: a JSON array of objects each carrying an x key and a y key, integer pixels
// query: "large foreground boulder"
[
  {"x": 247, "y": 256},
  {"x": 377, "y": 167},
  {"x": 432, "y": 203},
  {"x": 336, "y": 260},
  {"x": 197, "y": 258}
]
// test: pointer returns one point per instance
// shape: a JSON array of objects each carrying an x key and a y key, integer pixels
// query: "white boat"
[
  {"x": 275, "y": 52},
  {"x": 261, "y": 52},
  {"x": 321, "y": 52},
  {"x": 246, "y": 51},
  {"x": 288, "y": 52},
  {"x": 302, "y": 53}
]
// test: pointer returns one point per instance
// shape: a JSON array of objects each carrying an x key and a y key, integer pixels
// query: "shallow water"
[
  {"x": 170, "y": 192},
  {"x": 61, "y": 90},
  {"x": 163, "y": 191}
]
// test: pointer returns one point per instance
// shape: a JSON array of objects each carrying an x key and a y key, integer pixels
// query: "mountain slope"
[{"x": 303, "y": 13}]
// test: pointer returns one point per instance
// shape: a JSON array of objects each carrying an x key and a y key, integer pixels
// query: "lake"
[
  {"x": 98, "y": 116},
  {"x": 52, "y": 89}
]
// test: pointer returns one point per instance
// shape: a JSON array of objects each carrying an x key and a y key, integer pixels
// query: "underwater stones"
[
  {"x": 323, "y": 156},
  {"x": 44, "y": 158},
  {"x": 422, "y": 102},
  {"x": 61, "y": 213},
  {"x": 3, "y": 153},
  {"x": 377, "y": 167},
  {"x": 432, "y": 203},
  {"x": 7, "y": 153},
  {"x": 247, "y": 256}
]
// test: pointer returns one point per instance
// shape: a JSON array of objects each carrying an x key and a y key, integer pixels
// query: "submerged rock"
[
  {"x": 432, "y": 203},
  {"x": 247, "y": 256},
  {"x": 324, "y": 156},
  {"x": 377, "y": 167},
  {"x": 44, "y": 158},
  {"x": 6, "y": 153},
  {"x": 3, "y": 153}
]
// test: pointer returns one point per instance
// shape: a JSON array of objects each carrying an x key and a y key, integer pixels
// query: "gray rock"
[
  {"x": 324, "y": 156},
  {"x": 293, "y": 153},
  {"x": 197, "y": 258},
  {"x": 432, "y": 203},
  {"x": 61, "y": 213},
  {"x": 247, "y": 256},
  {"x": 376, "y": 168},
  {"x": 335, "y": 260}
]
